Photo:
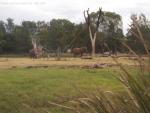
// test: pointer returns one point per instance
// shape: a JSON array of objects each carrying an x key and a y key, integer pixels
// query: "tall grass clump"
[{"x": 135, "y": 99}]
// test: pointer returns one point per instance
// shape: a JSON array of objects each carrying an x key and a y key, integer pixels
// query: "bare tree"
[
  {"x": 34, "y": 43},
  {"x": 37, "y": 50},
  {"x": 89, "y": 24}
]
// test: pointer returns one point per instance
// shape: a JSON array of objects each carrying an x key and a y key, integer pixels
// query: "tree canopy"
[{"x": 62, "y": 33}]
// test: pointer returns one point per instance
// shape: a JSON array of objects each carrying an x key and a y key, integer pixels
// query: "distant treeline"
[{"x": 63, "y": 34}]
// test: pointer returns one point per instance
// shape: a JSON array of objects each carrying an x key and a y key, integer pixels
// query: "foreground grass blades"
[
  {"x": 137, "y": 93},
  {"x": 29, "y": 90}
]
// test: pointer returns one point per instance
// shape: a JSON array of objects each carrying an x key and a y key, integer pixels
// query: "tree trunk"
[
  {"x": 93, "y": 48},
  {"x": 93, "y": 39}
]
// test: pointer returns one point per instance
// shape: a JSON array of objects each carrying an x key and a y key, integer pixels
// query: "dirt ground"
[{"x": 27, "y": 62}]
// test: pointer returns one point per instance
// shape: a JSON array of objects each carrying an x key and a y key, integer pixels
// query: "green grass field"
[{"x": 25, "y": 90}]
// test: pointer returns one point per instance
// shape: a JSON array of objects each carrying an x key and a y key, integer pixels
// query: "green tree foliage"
[
  {"x": 144, "y": 27},
  {"x": 8, "y": 43},
  {"x": 10, "y": 25},
  {"x": 113, "y": 33},
  {"x": 110, "y": 32},
  {"x": 59, "y": 33},
  {"x": 2, "y": 34},
  {"x": 30, "y": 26},
  {"x": 22, "y": 40},
  {"x": 81, "y": 38}
]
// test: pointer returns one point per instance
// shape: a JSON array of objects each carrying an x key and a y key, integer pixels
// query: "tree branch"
[
  {"x": 88, "y": 17},
  {"x": 85, "y": 17},
  {"x": 100, "y": 13}
]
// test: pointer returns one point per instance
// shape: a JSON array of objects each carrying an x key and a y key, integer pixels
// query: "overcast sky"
[{"x": 46, "y": 10}]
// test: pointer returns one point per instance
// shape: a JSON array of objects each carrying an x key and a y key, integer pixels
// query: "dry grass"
[{"x": 25, "y": 62}]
